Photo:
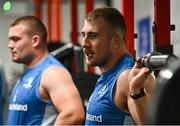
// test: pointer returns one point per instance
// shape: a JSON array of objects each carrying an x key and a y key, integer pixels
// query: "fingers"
[
  {"x": 144, "y": 72},
  {"x": 139, "y": 65},
  {"x": 137, "y": 81},
  {"x": 138, "y": 75}
]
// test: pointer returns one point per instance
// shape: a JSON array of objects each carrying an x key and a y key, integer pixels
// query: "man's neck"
[
  {"x": 112, "y": 61},
  {"x": 37, "y": 59}
]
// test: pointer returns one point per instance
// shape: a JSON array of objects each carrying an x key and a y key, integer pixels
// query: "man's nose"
[
  {"x": 85, "y": 42},
  {"x": 10, "y": 44}
]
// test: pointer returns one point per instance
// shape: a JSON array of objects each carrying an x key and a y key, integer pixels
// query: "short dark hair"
[
  {"x": 111, "y": 16},
  {"x": 34, "y": 26}
]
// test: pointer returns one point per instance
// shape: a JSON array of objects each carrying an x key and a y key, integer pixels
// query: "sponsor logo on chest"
[{"x": 28, "y": 83}]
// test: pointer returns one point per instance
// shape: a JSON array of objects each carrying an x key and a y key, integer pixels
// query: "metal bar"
[{"x": 128, "y": 12}]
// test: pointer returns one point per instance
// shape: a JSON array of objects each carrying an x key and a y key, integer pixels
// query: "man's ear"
[
  {"x": 116, "y": 41},
  {"x": 35, "y": 40}
]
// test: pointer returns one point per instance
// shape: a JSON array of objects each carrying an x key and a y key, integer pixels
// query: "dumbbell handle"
[{"x": 156, "y": 61}]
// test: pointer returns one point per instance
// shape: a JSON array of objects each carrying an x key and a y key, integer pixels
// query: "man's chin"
[
  {"x": 92, "y": 64},
  {"x": 16, "y": 61}
]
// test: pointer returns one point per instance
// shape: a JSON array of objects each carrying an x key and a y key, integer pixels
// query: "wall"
[{"x": 143, "y": 8}]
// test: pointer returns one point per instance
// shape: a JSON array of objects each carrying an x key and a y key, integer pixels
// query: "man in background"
[{"x": 45, "y": 94}]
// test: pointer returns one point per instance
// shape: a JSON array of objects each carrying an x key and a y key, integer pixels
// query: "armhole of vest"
[
  {"x": 111, "y": 93},
  {"x": 38, "y": 95},
  {"x": 111, "y": 97}
]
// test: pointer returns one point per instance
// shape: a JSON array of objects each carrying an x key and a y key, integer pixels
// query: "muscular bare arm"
[
  {"x": 60, "y": 89},
  {"x": 134, "y": 79},
  {"x": 140, "y": 77}
]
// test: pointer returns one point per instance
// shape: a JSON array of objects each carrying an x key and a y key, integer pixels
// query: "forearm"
[{"x": 138, "y": 109}]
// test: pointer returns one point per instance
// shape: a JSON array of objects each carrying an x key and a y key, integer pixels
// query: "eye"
[
  {"x": 83, "y": 34},
  {"x": 93, "y": 35},
  {"x": 15, "y": 39}
]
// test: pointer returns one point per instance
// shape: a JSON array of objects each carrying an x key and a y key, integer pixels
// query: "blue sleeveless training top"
[
  {"x": 101, "y": 109},
  {"x": 25, "y": 105}
]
